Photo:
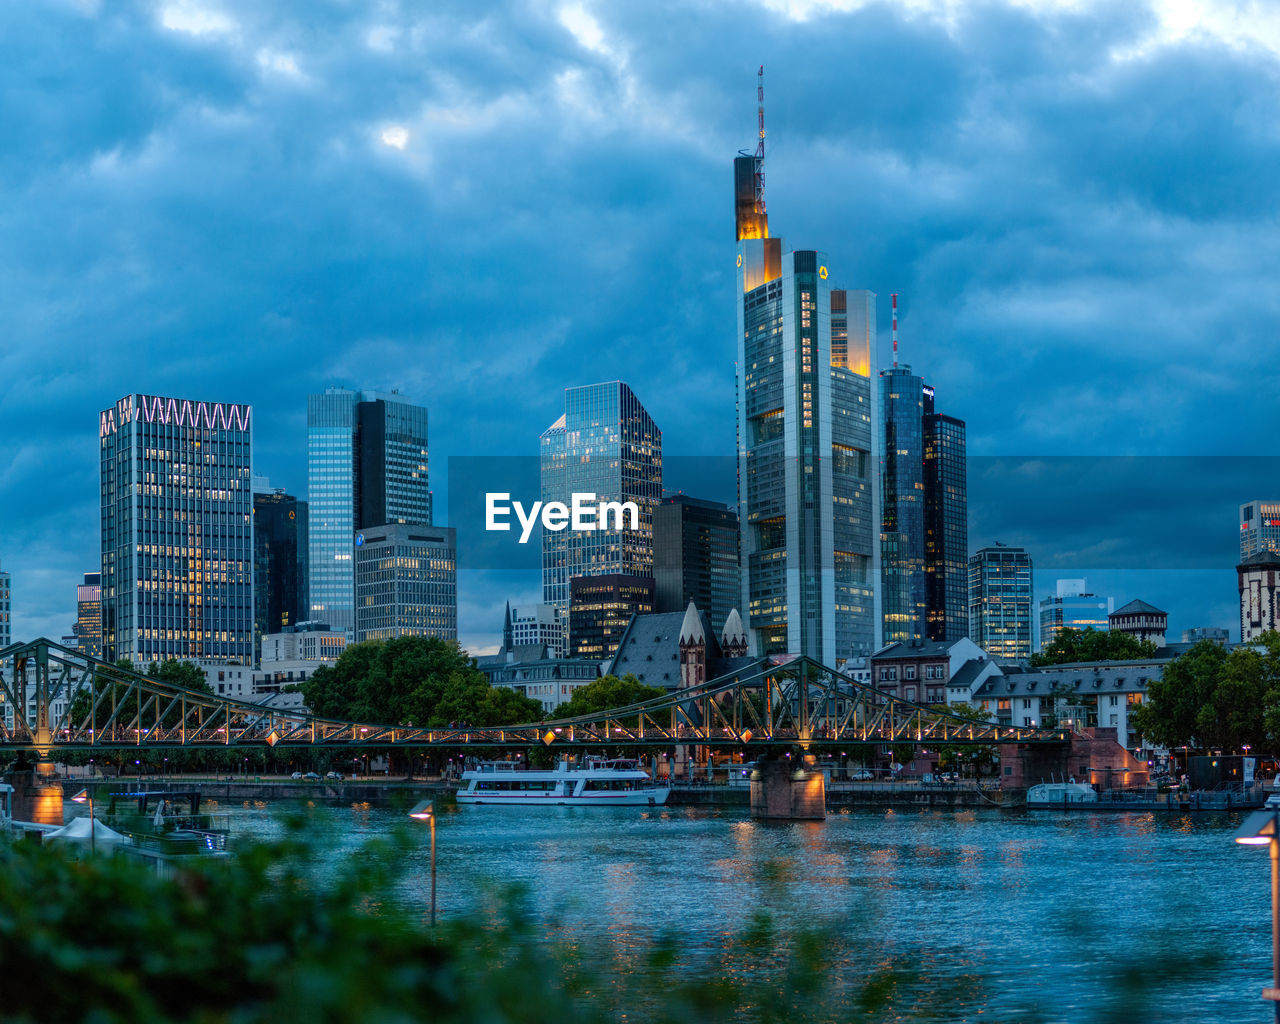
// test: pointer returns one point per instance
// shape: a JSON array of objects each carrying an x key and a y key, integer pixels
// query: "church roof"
[
  {"x": 1261, "y": 559},
  {"x": 691, "y": 626},
  {"x": 733, "y": 629}
]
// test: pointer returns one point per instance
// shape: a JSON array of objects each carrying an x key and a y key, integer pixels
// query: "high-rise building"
[
  {"x": 280, "y": 561},
  {"x": 537, "y": 624},
  {"x": 695, "y": 556},
  {"x": 600, "y": 608},
  {"x": 1000, "y": 588},
  {"x": 406, "y": 582},
  {"x": 6, "y": 612},
  {"x": 1259, "y": 527},
  {"x": 1073, "y": 607},
  {"x": 177, "y": 530},
  {"x": 88, "y": 629},
  {"x": 366, "y": 467},
  {"x": 924, "y": 539},
  {"x": 808, "y": 489},
  {"x": 604, "y": 444}
]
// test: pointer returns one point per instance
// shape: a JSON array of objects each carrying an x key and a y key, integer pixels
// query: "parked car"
[
  {"x": 311, "y": 777},
  {"x": 863, "y": 775},
  {"x": 335, "y": 776},
  {"x": 297, "y": 775}
]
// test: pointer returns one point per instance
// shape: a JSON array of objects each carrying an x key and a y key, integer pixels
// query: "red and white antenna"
[
  {"x": 760, "y": 208},
  {"x": 895, "y": 330}
]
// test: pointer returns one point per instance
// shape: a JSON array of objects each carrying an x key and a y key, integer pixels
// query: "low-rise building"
[
  {"x": 932, "y": 671},
  {"x": 293, "y": 655},
  {"x": 533, "y": 671}
]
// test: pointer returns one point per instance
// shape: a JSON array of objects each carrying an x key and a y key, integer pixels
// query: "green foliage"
[
  {"x": 1213, "y": 699},
  {"x": 959, "y": 756},
  {"x": 423, "y": 681},
  {"x": 1074, "y": 645},
  {"x": 605, "y": 694}
]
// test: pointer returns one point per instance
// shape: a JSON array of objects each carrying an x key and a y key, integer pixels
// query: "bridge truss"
[{"x": 53, "y": 698}]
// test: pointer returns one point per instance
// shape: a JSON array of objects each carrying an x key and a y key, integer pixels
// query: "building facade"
[
  {"x": 366, "y": 467},
  {"x": 406, "y": 582},
  {"x": 280, "y": 561},
  {"x": 176, "y": 530},
  {"x": 946, "y": 525},
  {"x": 1000, "y": 589},
  {"x": 88, "y": 629},
  {"x": 1215, "y": 633},
  {"x": 534, "y": 624},
  {"x": 1259, "y": 527},
  {"x": 695, "y": 556},
  {"x": 1073, "y": 607},
  {"x": 600, "y": 608},
  {"x": 808, "y": 486},
  {"x": 1258, "y": 579},
  {"x": 293, "y": 655},
  {"x": 605, "y": 444},
  {"x": 6, "y": 610}
]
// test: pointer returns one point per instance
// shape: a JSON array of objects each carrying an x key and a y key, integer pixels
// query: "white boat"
[
  {"x": 1055, "y": 794},
  {"x": 596, "y": 782}
]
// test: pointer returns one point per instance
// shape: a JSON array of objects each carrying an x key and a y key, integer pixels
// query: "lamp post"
[
  {"x": 1262, "y": 828},
  {"x": 425, "y": 812},
  {"x": 82, "y": 797}
]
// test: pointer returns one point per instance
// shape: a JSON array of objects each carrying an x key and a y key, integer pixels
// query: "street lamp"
[
  {"x": 84, "y": 796},
  {"x": 424, "y": 811},
  {"x": 1262, "y": 828}
]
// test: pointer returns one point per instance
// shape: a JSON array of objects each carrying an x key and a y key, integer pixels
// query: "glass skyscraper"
[
  {"x": 1072, "y": 607},
  {"x": 1000, "y": 589},
  {"x": 406, "y": 582},
  {"x": 280, "y": 562},
  {"x": 366, "y": 466},
  {"x": 1259, "y": 527},
  {"x": 695, "y": 557},
  {"x": 808, "y": 492},
  {"x": 605, "y": 444},
  {"x": 177, "y": 530},
  {"x": 89, "y": 615}
]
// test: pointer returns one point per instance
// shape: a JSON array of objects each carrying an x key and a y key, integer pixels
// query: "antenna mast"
[
  {"x": 760, "y": 208},
  {"x": 895, "y": 330}
]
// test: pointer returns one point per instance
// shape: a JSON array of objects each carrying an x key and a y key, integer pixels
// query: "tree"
[
  {"x": 605, "y": 694},
  {"x": 1074, "y": 645},
  {"x": 956, "y": 755}
]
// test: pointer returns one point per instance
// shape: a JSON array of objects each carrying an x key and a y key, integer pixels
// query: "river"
[{"x": 1004, "y": 916}]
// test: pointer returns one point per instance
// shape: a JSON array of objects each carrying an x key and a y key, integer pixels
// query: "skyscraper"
[
  {"x": 6, "y": 613},
  {"x": 279, "y": 561},
  {"x": 1259, "y": 527},
  {"x": 695, "y": 557},
  {"x": 366, "y": 466},
  {"x": 604, "y": 444},
  {"x": 600, "y": 606},
  {"x": 177, "y": 530},
  {"x": 1073, "y": 607},
  {"x": 406, "y": 582},
  {"x": 89, "y": 615},
  {"x": 808, "y": 490},
  {"x": 1000, "y": 588},
  {"x": 946, "y": 525}
]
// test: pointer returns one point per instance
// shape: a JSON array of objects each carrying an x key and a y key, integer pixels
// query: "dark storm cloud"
[{"x": 1085, "y": 242}]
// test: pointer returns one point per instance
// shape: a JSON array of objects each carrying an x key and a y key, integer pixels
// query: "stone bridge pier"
[
  {"x": 784, "y": 789},
  {"x": 1092, "y": 755}
]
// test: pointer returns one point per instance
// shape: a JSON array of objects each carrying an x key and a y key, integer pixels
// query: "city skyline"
[{"x": 1011, "y": 294}]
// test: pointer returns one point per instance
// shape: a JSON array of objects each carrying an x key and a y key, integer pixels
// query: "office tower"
[
  {"x": 1000, "y": 588},
  {"x": 6, "y": 612},
  {"x": 177, "y": 530},
  {"x": 1259, "y": 527},
  {"x": 366, "y": 467},
  {"x": 1197, "y": 633},
  {"x": 88, "y": 629},
  {"x": 695, "y": 557},
  {"x": 406, "y": 582},
  {"x": 1072, "y": 607},
  {"x": 604, "y": 444},
  {"x": 946, "y": 525},
  {"x": 808, "y": 490},
  {"x": 279, "y": 561},
  {"x": 600, "y": 608},
  {"x": 902, "y": 575}
]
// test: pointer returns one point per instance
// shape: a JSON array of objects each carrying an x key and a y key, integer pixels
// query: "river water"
[{"x": 1032, "y": 916}]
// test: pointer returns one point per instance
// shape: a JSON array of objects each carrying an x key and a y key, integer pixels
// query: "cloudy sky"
[{"x": 480, "y": 204}]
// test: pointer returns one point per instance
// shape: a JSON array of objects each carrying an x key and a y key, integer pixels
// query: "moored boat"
[
  {"x": 595, "y": 782},
  {"x": 1056, "y": 794}
]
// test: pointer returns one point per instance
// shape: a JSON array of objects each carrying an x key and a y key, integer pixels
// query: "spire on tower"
[
  {"x": 895, "y": 330},
  {"x": 760, "y": 207}
]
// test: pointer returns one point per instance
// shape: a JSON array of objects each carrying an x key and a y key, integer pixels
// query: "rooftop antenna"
[
  {"x": 895, "y": 330},
  {"x": 760, "y": 208}
]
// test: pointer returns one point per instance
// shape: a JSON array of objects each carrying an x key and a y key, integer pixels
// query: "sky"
[{"x": 481, "y": 204}]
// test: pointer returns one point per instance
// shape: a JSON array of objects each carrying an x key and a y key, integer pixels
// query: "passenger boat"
[
  {"x": 1058, "y": 794},
  {"x": 595, "y": 782}
]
